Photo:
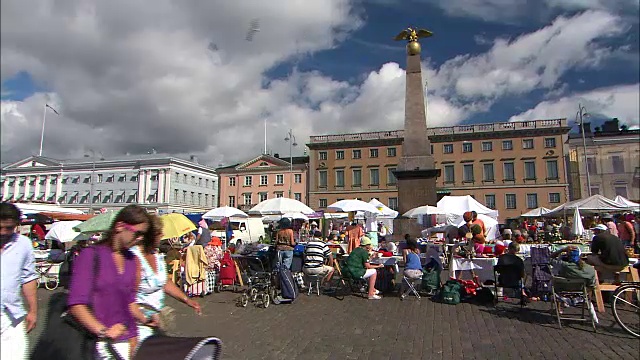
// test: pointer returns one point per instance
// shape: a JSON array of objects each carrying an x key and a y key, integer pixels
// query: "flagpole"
[{"x": 44, "y": 120}]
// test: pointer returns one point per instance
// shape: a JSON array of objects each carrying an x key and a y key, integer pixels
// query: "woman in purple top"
[{"x": 104, "y": 302}]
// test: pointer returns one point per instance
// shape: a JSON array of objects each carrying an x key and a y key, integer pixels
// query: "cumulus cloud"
[
  {"x": 617, "y": 101},
  {"x": 124, "y": 81}
]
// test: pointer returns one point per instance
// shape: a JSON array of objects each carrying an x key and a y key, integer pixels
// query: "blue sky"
[{"x": 183, "y": 79}]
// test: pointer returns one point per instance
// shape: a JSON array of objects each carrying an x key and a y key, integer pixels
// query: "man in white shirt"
[{"x": 18, "y": 272}]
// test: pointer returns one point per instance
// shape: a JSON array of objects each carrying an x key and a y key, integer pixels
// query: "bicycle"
[{"x": 625, "y": 303}]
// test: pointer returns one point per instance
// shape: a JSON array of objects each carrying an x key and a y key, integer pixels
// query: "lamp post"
[
  {"x": 291, "y": 139},
  {"x": 93, "y": 174},
  {"x": 581, "y": 114}
]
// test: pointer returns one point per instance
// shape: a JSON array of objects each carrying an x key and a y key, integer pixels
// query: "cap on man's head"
[
  {"x": 364, "y": 241},
  {"x": 600, "y": 227},
  {"x": 606, "y": 216},
  {"x": 313, "y": 223}
]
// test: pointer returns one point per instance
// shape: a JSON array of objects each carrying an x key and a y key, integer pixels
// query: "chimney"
[
  {"x": 612, "y": 125},
  {"x": 194, "y": 159},
  {"x": 276, "y": 155},
  {"x": 587, "y": 127}
]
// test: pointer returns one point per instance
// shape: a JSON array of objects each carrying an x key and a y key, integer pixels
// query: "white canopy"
[
  {"x": 223, "y": 212},
  {"x": 63, "y": 231},
  {"x": 27, "y": 208},
  {"x": 490, "y": 224},
  {"x": 387, "y": 212},
  {"x": 577, "y": 228},
  {"x": 424, "y": 210},
  {"x": 537, "y": 212},
  {"x": 354, "y": 205},
  {"x": 280, "y": 206},
  {"x": 460, "y": 204},
  {"x": 590, "y": 205},
  {"x": 626, "y": 202}
]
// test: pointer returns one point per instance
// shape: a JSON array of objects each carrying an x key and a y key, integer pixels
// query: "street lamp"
[
  {"x": 93, "y": 172},
  {"x": 581, "y": 114},
  {"x": 291, "y": 139}
]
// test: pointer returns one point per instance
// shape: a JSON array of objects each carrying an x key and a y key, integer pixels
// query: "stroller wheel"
[
  {"x": 244, "y": 300},
  {"x": 253, "y": 294},
  {"x": 265, "y": 300},
  {"x": 217, "y": 288},
  {"x": 274, "y": 296}
]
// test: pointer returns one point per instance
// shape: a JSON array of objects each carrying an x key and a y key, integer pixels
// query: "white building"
[{"x": 157, "y": 182}]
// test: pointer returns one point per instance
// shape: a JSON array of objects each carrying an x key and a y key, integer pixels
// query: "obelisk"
[{"x": 416, "y": 172}]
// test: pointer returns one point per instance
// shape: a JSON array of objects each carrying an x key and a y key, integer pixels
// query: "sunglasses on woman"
[{"x": 136, "y": 233}]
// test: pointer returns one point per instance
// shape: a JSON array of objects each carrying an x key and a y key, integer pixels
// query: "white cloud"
[{"x": 621, "y": 102}]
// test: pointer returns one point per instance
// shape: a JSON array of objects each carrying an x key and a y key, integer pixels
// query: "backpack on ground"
[
  {"x": 384, "y": 280},
  {"x": 288, "y": 285},
  {"x": 431, "y": 277},
  {"x": 450, "y": 292},
  {"x": 227, "y": 273}
]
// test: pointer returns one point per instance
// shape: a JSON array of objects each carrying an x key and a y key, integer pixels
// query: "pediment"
[
  {"x": 33, "y": 161},
  {"x": 263, "y": 162}
]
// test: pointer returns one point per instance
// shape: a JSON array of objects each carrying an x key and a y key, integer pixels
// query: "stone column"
[
  {"x": 58, "y": 187},
  {"x": 36, "y": 190},
  {"x": 147, "y": 185},
  {"x": 47, "y": 187},
  {"x": 160, "y": 195},
  {"x": 167, "y": 186},
  {"x": 140, "y": 187},
  {"x": 27, "y": 187},
  {"x": 16, "y": 187},
  {"x": 5, "y": 188}
]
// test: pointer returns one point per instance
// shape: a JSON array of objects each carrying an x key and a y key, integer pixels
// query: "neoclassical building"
[{"x": 157, "y": 182}]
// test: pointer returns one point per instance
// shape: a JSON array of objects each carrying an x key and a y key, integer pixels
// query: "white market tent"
[
  {"x": 458, "y": 205},
  {"x": 280, "y": 206},
  {"x": 591, "y": 205},
  {"x": 224, "y": 212},
  {"x": 537, "y": 212},
  {"x": 28, "y": 208},
  {"x": 626, "y": 202},
  {"x": 424, "y": 210},
  {"x": 386, "y": 211}
]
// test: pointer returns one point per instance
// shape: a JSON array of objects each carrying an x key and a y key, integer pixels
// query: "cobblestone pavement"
[{"x": 355, "y": 328}]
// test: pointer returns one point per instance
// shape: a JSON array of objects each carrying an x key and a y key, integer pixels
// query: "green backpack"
[
  {"x": 431, "y": 280},
  {"x": 450, "y": 292}
]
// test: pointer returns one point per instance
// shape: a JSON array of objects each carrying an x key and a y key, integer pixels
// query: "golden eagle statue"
[{"x": 412, "y": 35}]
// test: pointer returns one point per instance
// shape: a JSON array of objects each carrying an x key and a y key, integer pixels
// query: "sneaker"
[
  {"x": 377, "y": 292},
  {"x": 375, "y": 297}
]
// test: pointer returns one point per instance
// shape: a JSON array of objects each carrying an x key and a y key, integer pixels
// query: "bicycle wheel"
[
  {"x": 244, "y": 300},
  {"x": 253, "y": 294},
  {"x": 626, "y": 307},
  {"x": 51, "y": 283},
  {"x": 265, "y": 300}
]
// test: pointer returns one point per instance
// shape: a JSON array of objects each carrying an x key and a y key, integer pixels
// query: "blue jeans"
[{"x": 286, "y": 256}]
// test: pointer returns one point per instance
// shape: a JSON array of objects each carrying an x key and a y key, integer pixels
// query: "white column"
[
  {"x": 167, "y": 186},
  {"x": 27, "y": 187},
  {"x": 58, "y": 187},
  {"x": 47, "y": 187},
  {"x": 140, "y": 187},
  {"x": 147, "y": 185},
  {"x": 16, "y": 187},
  {"x": 5, "y": 188},
  {"x": 160, "y": 195},
  {"x": 36, "y": 190}
]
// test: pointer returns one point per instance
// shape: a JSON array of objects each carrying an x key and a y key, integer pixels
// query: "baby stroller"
[
  {"x": 159, "y": 347},
  {"x": 541, "y": 271},
  {"x": 257, "y": 274},
  {"x": 227, "y": 275}
]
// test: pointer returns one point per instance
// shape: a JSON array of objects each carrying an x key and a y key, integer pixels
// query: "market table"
[{"x": 482, "y": 267}]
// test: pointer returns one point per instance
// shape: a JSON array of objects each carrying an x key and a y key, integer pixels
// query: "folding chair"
[
  {"x": 567, "y": 288},
  {"x": 410, "y": 285},
  {"x": 508, "y": 277}
]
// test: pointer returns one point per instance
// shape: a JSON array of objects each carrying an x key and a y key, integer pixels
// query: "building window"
[
  {"x": 232, "y": 181},
  {"x": 322, "y": 178},
  {"x": 193, "y": 198},
  {"x": 357, "y": 177},
  {"x": 391, "y": 178},
  {"x": 297, "y": 196},
  {"x": 488, "y": 172},
  {"x": 200, "y": 199},
  {"x": 185, "y": 177},
  {"x": 393, "y": 203},
  {"x": 322, "y": 155},
  {"x": 279, "y": 194},
  {"x": 248, "y": 180},
  {"x": 617, "y": 163},
  {"x": 449, "y": 174},
  {"x": 263, "y": 180},
  {"x": 206, "y": 183},
  {"x": 134, "y": 177},
  {"x": 490, "y": 201},
  {"x": 206, "y": 199},
  {"x": 447, "y": 148},
  {"x": 391, "y": 152},
  {"x": 527, "y": 144},
  {"x": 467, "y": 173},
  {"x": 621, "y": 190},
  {"x": 356, "y": 154},
  {"x": 373, "y": 153},
  {"x": 175, "y": 195},
  {"x": 507, "y": 145},
  {"x": 262, "y": 196},
  {"x": 322, "y": 203},
  {"x": 297, "y": 178},
  {"x": 279, "y": 179},
  {"x": 510, "y": 200},
  {"x": 554, "y": 198},
  {"x": 532, "y": 201},
  {"x": 592, "y": 166},
  {"x": 339, "y": 154},
  {"x": 232, "y": 201},
  {"x": 340, "y": 178},
  {"x": 375, "y": 177},
  {"x": 552, "y": 169},
  {"x": 529, "y": 170},
  {"x": 247, "y": 198},
  {"x": 595, "y": 190},
  {"x": 99, "y": 180},
  {"x": 467, "y": 147},
  {"x": 550, "y": 142},
  {"x": 487, "y": 146},
  {"x": 184, "y": 196}
]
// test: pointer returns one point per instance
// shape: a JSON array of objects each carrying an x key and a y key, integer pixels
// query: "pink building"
[{"x": 264, "y": 177}]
